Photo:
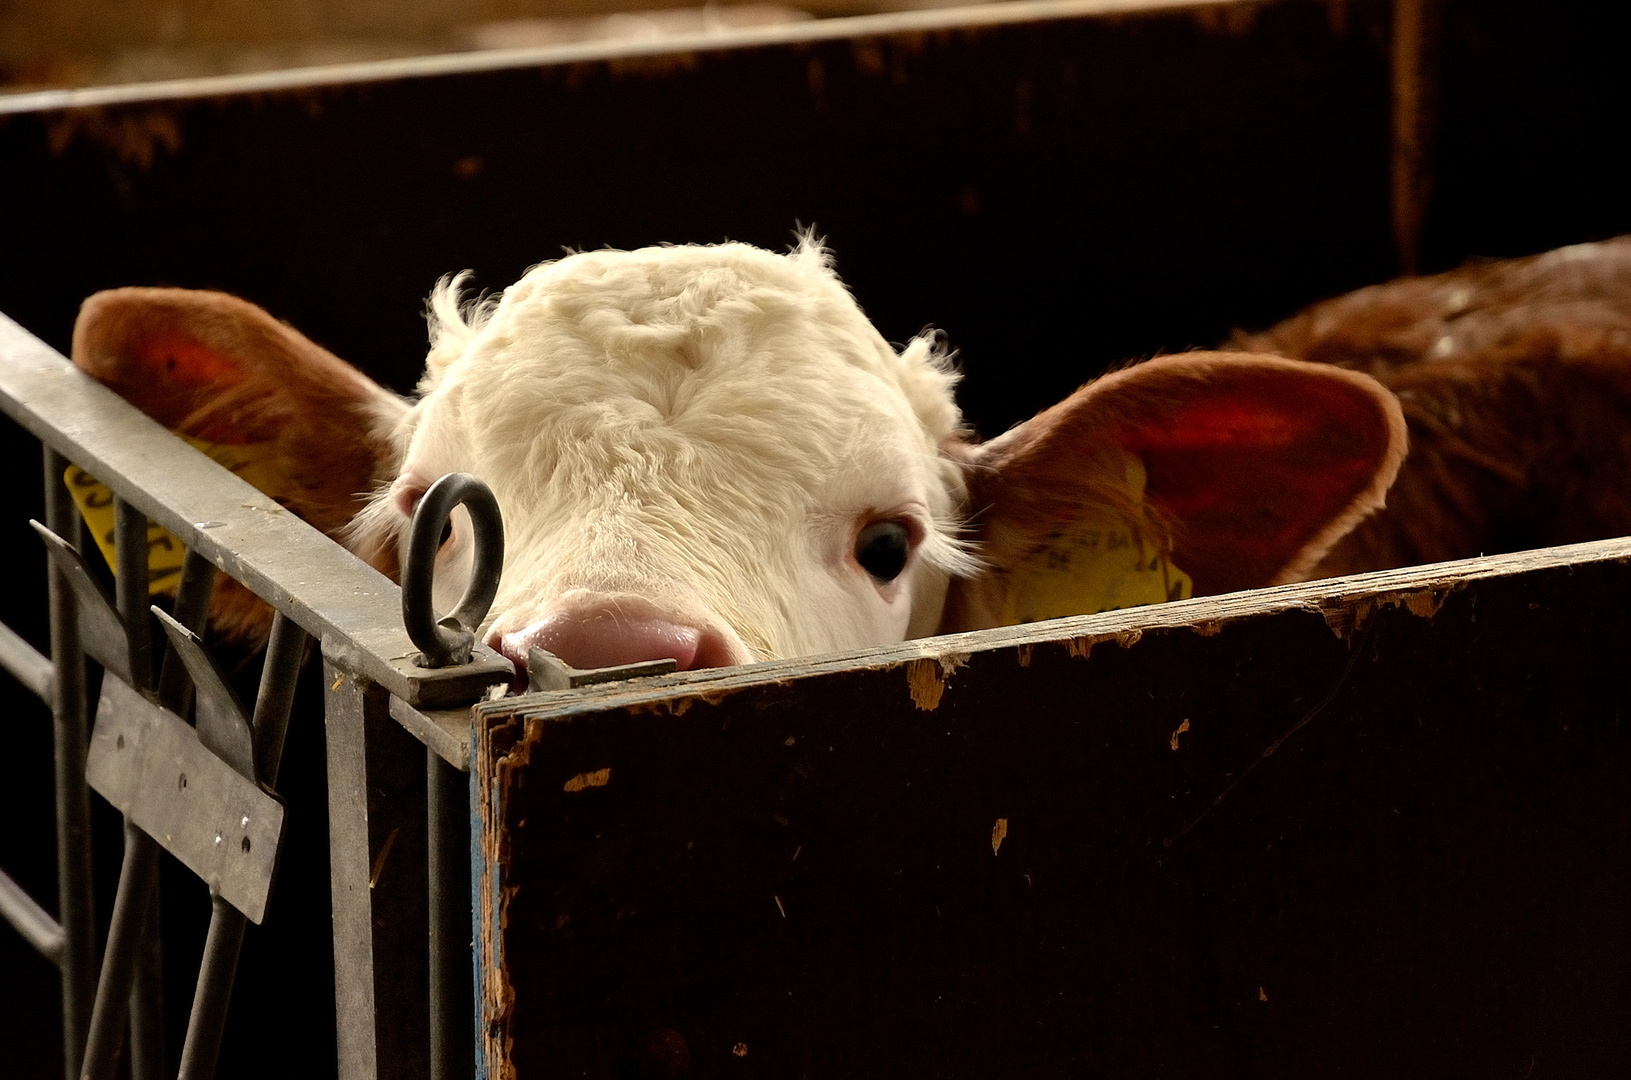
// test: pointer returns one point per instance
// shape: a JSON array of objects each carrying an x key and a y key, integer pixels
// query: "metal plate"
[{"x": 148, "y": 763}]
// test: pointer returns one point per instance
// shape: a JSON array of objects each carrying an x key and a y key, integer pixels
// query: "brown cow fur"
[{"x": 1515, "y": 379}]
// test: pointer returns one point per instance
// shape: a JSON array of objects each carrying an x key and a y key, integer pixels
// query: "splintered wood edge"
[{"x": 1345, "y": 603}]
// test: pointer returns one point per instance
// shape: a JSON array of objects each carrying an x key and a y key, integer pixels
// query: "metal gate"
[{"x": 218, "y": 813}]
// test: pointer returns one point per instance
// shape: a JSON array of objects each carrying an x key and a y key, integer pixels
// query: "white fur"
[{"x": 701, "y": 430}]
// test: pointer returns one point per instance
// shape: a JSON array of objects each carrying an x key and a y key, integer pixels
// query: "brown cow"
[{"x": 1515, "y": 379}]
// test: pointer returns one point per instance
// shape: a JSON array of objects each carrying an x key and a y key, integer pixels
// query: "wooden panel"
[
  {"x": 1376, "y": 826},
  {"x": 1057, "y": 193}
]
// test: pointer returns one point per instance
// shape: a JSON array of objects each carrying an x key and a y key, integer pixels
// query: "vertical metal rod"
[
  {"x": 378, "y": 868},
  {"x": 69, "y": 735},
  {"x": 192, "y": 605},
  {"x": 446, "y": 811},
  {"x": 130, "y": 542},
  {"x": 191, "y": 609},
  {"x": 347, "y": 702},
  {"x": 147, "y": 996},
  {"x": 137, "y": 879},
  {"x": 206, "y": 1025},
  {"x": 147, "y": 989},
  {"x": 208, "y": 1021},
  {"x": 140, "y": 869},
  {"x": 285, "y": 655}
]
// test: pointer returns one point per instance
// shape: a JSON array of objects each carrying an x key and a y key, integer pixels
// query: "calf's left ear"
[
  {"x": 292, "y": 418},
  {"x": 1210, "y": 471},
  {"x": 217, "y": 368}
]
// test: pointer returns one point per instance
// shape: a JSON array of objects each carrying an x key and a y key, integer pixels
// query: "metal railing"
[{"x": 379, "y": 702}]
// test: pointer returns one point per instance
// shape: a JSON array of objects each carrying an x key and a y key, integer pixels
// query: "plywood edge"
[{"x": 1345, "y": 603}]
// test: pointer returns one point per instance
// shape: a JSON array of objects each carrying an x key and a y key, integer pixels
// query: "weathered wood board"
[
  {"x": 1376, "y": 826},
  {"x": 1157, "y": 176}
]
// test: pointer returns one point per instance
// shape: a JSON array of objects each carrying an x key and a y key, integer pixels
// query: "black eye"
[
  {"x": 447, "y": 533},
  {"x": 882, "y": 548}
]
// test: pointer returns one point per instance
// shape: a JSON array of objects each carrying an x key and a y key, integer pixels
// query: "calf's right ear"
[{"x": 219, "y": 369}]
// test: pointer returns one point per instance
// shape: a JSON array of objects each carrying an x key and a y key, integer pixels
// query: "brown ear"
[
  {"x": 1251, "y": 468},
  {"x": 214, "y": 367}
]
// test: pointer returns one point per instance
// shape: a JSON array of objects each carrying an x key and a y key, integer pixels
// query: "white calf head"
[
  {"x": 709, "y": 444},
  {"x": 709, "y": 453}
]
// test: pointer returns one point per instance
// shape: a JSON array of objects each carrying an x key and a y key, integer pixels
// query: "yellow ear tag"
[
  {"x": 254, "y": 463},
  {"x": 1098, "y": 563}
]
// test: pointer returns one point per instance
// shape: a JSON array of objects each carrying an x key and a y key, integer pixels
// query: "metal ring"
[{"x": 449, "y": 641}]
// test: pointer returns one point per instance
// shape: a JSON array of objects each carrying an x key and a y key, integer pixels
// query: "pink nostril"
[{"x": 603, "y": 639}]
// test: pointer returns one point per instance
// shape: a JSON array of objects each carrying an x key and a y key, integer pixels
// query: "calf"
[{"x": 709, "y": 453}]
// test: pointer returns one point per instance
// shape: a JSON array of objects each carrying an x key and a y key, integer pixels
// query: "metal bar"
[
  {"x": 137, "y": 880},
  {"x": 130, "y": 541},
  {"x": 377, "y": 864},
  {"x": 206, "y": 1025},
  {"x": 30, "y": 919},
  {"x": 128, "y": 936},
  {"x": 147, "y": 989},
  {"x": 26, "y": 664},
  {"x": 447, "y": 802},
  {"x": 147, "y": 996},
  {"x": 69, "y": 734},
  {"x": 191, "y": 608},
  {"x": 446, "y": 731},
  {"x": 213, "y": 995},
  {"x": 347, "y": 703},
  {"x": 285, "y": 654},
  {"x": 299, "y": 571}
]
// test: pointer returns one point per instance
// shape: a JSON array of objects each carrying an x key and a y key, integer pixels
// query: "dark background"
[{"x": 1056, "y": 196}]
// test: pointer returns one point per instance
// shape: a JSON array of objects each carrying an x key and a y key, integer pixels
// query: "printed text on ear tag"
[
  {"x": 254, "y": 463},
  {"x": 1099, "y": 562}
]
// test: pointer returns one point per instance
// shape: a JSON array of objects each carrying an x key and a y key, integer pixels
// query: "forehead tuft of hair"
[{"x": 925, "y": 369}]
